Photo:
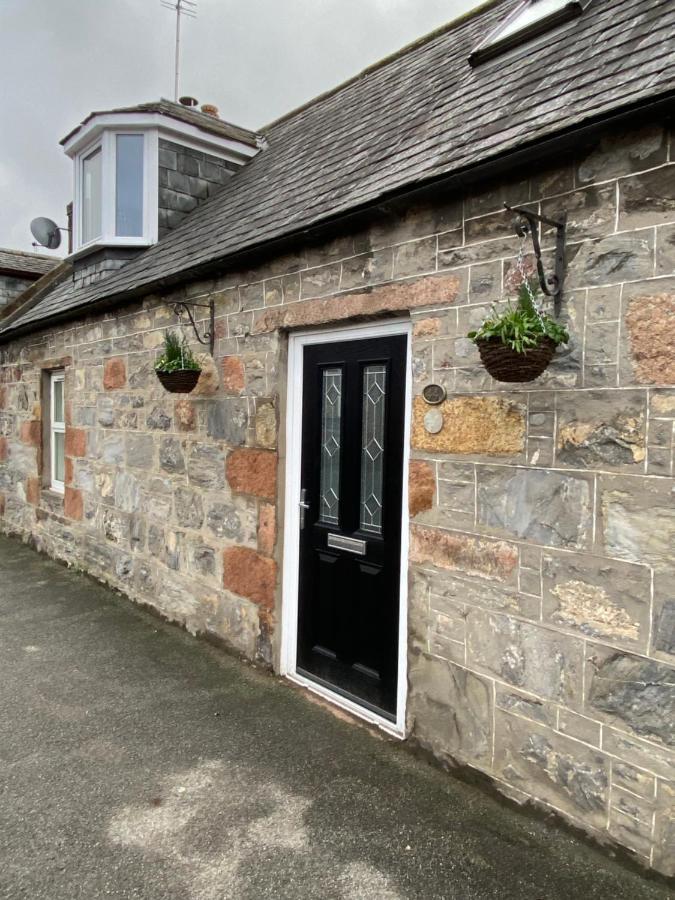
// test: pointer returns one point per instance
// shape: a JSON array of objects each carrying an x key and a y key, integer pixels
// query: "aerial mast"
[{"x": 181, "y": 8}]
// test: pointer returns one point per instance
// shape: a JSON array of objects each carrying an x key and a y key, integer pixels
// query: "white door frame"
[{"x": 291, "y": 561}]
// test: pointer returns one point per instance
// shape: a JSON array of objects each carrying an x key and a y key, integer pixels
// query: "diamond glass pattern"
[
  {"x": 330, "y": 445},
  {"x": 372, "y": 455}
]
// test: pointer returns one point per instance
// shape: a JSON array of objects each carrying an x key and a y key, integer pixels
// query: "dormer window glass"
[
  {"x": 115, "y": 191},
  {"x": 529, "y": 19},
  {"x": 91, "y": 196},
  {"x": 129, "y": 185}
]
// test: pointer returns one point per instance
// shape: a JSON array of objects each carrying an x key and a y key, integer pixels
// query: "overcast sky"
[{"x": 61, "y": 59}]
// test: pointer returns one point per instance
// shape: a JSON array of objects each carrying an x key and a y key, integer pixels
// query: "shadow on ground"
[{"x": 138, "y": 762}]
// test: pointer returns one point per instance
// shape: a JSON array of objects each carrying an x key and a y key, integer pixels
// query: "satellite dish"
[{"x": 46, "y": 232}]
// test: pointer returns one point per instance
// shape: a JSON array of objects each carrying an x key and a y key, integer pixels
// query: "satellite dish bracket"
[{"x": 186, "y": 306}]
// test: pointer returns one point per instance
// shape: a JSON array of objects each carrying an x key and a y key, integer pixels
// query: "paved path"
[{"x": 138, "y": 762}]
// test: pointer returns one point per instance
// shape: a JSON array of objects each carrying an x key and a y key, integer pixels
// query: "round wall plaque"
[
  {"x": 433, "y": 421},
  {"x": 434, "y": 394}
]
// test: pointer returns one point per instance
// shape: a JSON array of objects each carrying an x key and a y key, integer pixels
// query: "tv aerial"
[{"x": 46, "y": 233}]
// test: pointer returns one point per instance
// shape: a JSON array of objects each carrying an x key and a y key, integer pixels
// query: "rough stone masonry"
[{"x": 542, "y": 564}]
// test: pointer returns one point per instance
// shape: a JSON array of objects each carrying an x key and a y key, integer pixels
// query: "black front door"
[{"x": 350, "y": 537}]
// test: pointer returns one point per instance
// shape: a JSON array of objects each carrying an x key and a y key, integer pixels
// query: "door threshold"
[{"x": 391, "y": 728}]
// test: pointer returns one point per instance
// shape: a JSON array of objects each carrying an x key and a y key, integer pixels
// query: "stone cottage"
[{"x": 486, "y": 569}]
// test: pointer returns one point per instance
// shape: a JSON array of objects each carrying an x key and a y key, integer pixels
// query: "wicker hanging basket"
[
  {"x": 505, "y": 364},
  {"x": 183, "y": 381}
]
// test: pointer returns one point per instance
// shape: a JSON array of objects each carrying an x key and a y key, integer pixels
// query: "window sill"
[{"x": 102, "y": 243}]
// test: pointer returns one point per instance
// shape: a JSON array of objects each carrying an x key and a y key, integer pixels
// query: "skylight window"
[{"x": 529, "y": 19}]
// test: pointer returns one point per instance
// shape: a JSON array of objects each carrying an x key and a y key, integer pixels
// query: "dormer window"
[
  {"x": 529, "y": 19},
  {"x": 139, "y": 171},
  {"x": 112, "y": 201}
]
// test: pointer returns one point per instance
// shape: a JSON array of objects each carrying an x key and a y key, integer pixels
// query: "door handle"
[{"x": 304, "y": 506}]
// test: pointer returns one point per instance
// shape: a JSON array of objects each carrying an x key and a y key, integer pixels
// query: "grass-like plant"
[
  {"x": 519, "y": 325},
  {"x": 177, "y": 356}
]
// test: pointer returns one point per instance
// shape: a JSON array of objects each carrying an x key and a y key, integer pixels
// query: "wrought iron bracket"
[
  {"x": 527, "y": 222},
  {"x": 209, "y": 336}
]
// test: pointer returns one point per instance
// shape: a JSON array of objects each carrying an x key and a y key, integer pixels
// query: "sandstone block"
[
  {"x": 209, "y": 380},
  {"x": 114, "y": 373},
  {"x": 31, "y": 433},
  {"x": 445, "y": 588},
  {"x": 526, "y": 655},
  {"x": 184, "y": 414},
  {"x": 450, "y": 710},
  {"x": 368, "y": 268},
  {"x": 598, "y": 598},
  {"x": 33, "y": 491},
  {"x": 433, "y": 290},
  {"x": 321, "y": 281},
  {"x": 234, "y": 377},
  {"x": 650, "y": 327},
  {"x": 76, "y": 442},
  {"x": 422, "y": 486},
  {"x": 453, "y": 550},
  {"x": 477, "y": 425},
  {"x": 552, "y": 768},
  {"x": 539, "y": 506},
  {"x": 265, "y": 424},
  {"x": 253, "y": 472},
  {"x": 4, "y": 448},
  {"x": 248, "y": 574},
  {"x": 72, "y": 504},
  {"x": 267, "y": 529},
  {"x": 127, "y": 491}
]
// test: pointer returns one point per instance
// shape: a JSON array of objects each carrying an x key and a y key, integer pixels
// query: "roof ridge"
[
  {"x": 381, "y": 63},
  {"x": 29, "y": 254}
]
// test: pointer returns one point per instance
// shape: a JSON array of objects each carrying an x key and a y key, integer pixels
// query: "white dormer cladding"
[
  {"x": 116, "y": 174},
  {"x": 529, "y": 19}
]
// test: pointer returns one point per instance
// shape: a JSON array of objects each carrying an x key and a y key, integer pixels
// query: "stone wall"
[
  {"x": 187, "y": 177},
  {"x": 11, "y": 287},
  {"x": 542, "y": 616}
]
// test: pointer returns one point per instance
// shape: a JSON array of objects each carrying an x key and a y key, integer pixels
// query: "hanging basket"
[
  {"x": 182, "y": 381},
  {"x": 505, "y": 364}
]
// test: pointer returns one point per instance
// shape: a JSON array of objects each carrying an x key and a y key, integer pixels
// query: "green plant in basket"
[
  {"x": 521, "y": 326},
  {"x": 177, "y": 356}
]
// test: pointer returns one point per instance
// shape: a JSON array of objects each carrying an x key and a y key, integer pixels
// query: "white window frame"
[
  {"x": 107, "y": 142},
  {"x": 56, "y": 428}
]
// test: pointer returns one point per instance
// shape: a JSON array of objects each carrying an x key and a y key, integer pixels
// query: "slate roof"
[
  {"x": 421, "y": 114},
  {"x": 28, "y": 264},
  {"x": 190, "y": 115}
]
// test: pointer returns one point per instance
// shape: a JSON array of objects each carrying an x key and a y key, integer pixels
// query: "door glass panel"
[
  {"x": 372, "y": 453},
  {"x": 331, "y": 413}
]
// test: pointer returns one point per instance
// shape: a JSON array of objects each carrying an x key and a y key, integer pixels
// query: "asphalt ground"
[{"x": 138, "y": 762}]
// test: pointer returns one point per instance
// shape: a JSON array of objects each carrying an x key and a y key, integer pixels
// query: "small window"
[
  {"x": 528, "y": 19},
  {"x": 92, "y": 194},
  {"x": 57, "y": 431}
]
